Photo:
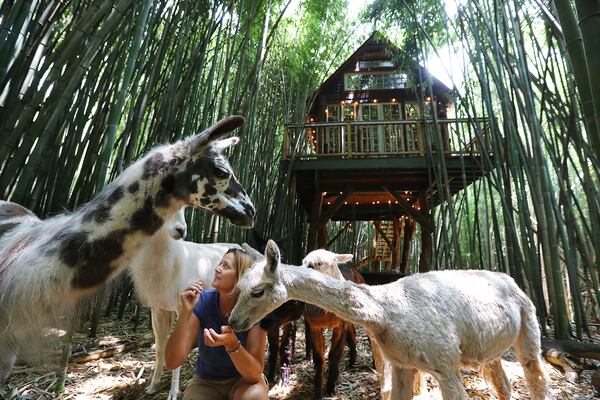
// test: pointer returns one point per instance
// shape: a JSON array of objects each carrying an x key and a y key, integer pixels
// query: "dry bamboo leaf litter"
[{"x": 126, "y": 375}]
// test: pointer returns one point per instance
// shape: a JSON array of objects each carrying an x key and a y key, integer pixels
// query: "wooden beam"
[
  {"x": 344, "y": 229},
  {"x": 337, "y": 204},
  {"x": 423, "y": 219},
  {"x": 387, "y": 240}
]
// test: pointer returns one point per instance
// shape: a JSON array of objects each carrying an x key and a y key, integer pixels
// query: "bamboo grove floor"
[{"x": 125, "y": 375}]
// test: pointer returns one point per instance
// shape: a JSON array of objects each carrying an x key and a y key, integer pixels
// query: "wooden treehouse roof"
[{"x": 376, "y": 47}]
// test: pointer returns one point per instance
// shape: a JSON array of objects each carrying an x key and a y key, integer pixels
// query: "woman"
[{"x": 229, "y": 364}]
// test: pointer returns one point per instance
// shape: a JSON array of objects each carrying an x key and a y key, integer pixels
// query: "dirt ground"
[{"x": 125, "y": 375}]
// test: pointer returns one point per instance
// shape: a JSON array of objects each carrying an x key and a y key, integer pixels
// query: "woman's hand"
[
  {"x": 227, "y": 338},
  {"x": 189, "y": 297}
]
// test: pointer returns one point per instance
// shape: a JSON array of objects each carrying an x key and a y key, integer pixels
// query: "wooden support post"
[
  {"x": 315, "y": 215},
  {"x": 323, "y": 236},
  {"x": 397, "y": 226},
  {"x": 426, "y": 237},
  {"x": 409, "y": 229}
]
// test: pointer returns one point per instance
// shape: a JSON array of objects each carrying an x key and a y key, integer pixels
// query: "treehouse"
[{"x": 377, "y": 145}]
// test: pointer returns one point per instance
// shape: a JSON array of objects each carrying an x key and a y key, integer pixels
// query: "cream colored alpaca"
[
  {"x": 162, "y": 269},
  {"x": 438, "y": 322}
]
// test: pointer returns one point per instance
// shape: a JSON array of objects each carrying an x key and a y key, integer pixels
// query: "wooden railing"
[{"x": 402, "y": 138}]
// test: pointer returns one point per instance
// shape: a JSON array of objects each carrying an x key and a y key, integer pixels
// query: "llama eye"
[
  {"x": 257, "y": 293},
  {"x": 221, "y": 173}
]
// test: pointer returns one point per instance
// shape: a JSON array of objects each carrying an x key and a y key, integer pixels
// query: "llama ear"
[
  {"x": 255, "y": 255},
  {"x": 272, "y": 255},
  {"x": 221, "y": 145},
  {"x": 343, "y": 258},
  {"x": 215, "y": 132}
]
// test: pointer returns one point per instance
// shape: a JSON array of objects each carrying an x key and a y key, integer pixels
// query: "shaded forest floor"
[{"x": 126, "y": 375}]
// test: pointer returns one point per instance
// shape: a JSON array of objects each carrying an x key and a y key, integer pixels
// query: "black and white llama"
[{"x": 46, "y": 266}]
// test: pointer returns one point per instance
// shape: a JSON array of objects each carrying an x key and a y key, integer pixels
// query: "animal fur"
[
  {"x": 436, "y": 322},
  {"x": 165, "y": 266},
  {"x": 317, "y": 320},
  {"x": 46, "y": 266}
]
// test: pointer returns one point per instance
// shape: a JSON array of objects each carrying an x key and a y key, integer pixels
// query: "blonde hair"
[{"x": 243, "y": 262}]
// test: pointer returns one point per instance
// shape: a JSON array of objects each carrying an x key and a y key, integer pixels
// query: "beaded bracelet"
[{"x": 232, "y": 352}]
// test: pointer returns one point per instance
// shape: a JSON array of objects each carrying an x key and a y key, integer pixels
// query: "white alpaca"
[
  {"x": 435, "y": 322},
  {"x": 46, "y": 266},
  {"x": 327, "y": 262},
  {"x": 162, "y": 269}
]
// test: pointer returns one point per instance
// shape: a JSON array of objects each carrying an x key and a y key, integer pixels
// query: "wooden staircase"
[{"x": 382, "y": 250}]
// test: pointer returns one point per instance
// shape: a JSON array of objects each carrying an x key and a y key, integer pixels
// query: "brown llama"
[{"x": 318, "y": 319}]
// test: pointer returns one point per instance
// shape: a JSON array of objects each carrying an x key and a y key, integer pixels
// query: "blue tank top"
[{"x": 213, "y": 362}]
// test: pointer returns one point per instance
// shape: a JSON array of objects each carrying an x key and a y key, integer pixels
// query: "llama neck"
[
  {"x": 105, "y": 234},
  {"x": 348, "y": 300}
]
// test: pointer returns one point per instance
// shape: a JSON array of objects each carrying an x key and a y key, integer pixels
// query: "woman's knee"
[{"x": 245, "y": 391}]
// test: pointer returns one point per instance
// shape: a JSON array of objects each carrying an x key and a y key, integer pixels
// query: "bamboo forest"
[{"x": 294, "y": 199}]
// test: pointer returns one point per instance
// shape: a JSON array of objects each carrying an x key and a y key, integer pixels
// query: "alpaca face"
[
  {"x": 326, "y": 262},
  {"x": 176, "y": 226},
  {"x": 260, "y": 291}
]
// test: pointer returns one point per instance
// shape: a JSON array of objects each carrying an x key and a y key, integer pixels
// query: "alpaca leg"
[
  {"x": 351, "y": 341},
  {"x": 161, "y": 321},
  {"x": 402, "y": 381},
  {"x": 338, "y": 342},
  {"x": 8, "y": 357},
  {"x": 286, "y": 351},
  {"x": 383, "y": 368},
  {"x": 494, "y": 374},
  {"x": 308, "y": 347},
  {"x": 318, "y": 349},
  {"x": 451, "y": 385},
  {"x": 528, "y": 348},
  {"x": 274, "y": 347}
]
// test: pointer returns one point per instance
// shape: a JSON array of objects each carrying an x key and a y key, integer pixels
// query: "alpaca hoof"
[
  {"x": 152, "y": 389},
  {"x": 173, "y": 395}
]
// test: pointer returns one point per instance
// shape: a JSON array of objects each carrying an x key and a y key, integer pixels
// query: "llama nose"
[{"x": 181, "y": 231}]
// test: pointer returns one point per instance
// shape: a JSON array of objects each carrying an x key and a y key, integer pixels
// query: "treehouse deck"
[{"x": 379, "y": 171}]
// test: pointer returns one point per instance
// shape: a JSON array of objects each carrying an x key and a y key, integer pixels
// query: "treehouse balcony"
[{"x": 364, "y": 170}]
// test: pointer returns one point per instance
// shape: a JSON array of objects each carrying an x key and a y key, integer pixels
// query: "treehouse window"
[
  {"x": 374, "y": 80},
  {"x": 332, "y": 113},
  {"x": 375, "y": 64},
  {"x": 348, "y": 113}
]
